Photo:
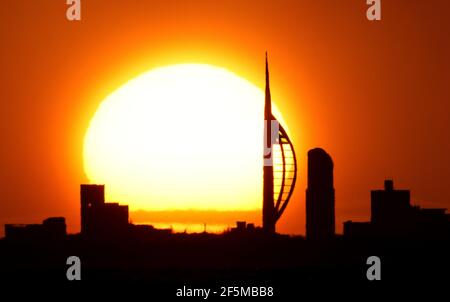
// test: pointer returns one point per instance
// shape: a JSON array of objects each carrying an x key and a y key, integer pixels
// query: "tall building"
[
  {"x": 100, "y": 219},
  {"x": 320, "y": 223},
  {"x": 393, "y": 216},
  {"x": 268, "y": 198},
  {"x": 279, "y": 168},
  {"x": 388, "y": 206},
  {"x": 90, "y": 195}
]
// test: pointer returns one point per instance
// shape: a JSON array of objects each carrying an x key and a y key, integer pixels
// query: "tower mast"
[{"x": 268, "y": 200}]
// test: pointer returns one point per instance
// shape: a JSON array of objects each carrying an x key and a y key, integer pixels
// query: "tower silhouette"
[
  {"x": 320, "y": 223},
  {"x": 268, "y": 198},
  {"x": 280, "y": 165}
]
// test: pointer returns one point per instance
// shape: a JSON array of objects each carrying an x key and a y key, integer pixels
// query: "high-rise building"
[
  {"x": 393, "y": 216},
  {"x": 100, "y": 219},
  {"x": 388, "y": 205},
  {"x": 320, "y": 222},
  {"x": 90, "y": 195}
]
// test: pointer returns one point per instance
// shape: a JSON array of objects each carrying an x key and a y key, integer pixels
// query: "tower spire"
[
  {"x": 268, "y": 199},
  {"x": 268, "y": 98}
]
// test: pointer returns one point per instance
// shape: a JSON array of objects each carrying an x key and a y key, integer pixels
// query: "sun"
[{"x": 181, "y": 137}]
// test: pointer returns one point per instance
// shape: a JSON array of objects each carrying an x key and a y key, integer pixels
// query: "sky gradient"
[{"x": 374, "y": 95}]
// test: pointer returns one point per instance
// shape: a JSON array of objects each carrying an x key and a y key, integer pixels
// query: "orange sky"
[{"x": 373, "y": 94}]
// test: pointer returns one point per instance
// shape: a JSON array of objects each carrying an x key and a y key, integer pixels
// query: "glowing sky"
[{"x": 373, "y": 95}]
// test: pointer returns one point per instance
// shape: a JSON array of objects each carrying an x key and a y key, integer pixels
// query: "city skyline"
[{"x": 392, "y": 216}]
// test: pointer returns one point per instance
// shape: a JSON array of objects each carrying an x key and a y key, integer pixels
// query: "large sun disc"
[{"x": 185, "y": 136}]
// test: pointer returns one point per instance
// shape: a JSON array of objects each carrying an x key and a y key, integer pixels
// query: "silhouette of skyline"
[
  {"x": 113, "y": 248},
  {"x": 111, "y": 220},
  {"x": 355, "y": 119},
  {"x": 365, "y": 93}
]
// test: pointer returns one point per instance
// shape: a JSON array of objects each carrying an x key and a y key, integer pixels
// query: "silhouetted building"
[
  {"x": 99, "y": 219},
  {"x": 390, "y": 209},
  {"x": 145, "y": 231},
  {"x": 244, "y": 228},
  {"x": 268, "y": 198},
  {"x": 241, "y": 225},
  {"x": 320, "y": 196},
  {"x": 393, "y": 216},
  {"x": 276, "y": 194},
  {"x": 53, "y": 228}
]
